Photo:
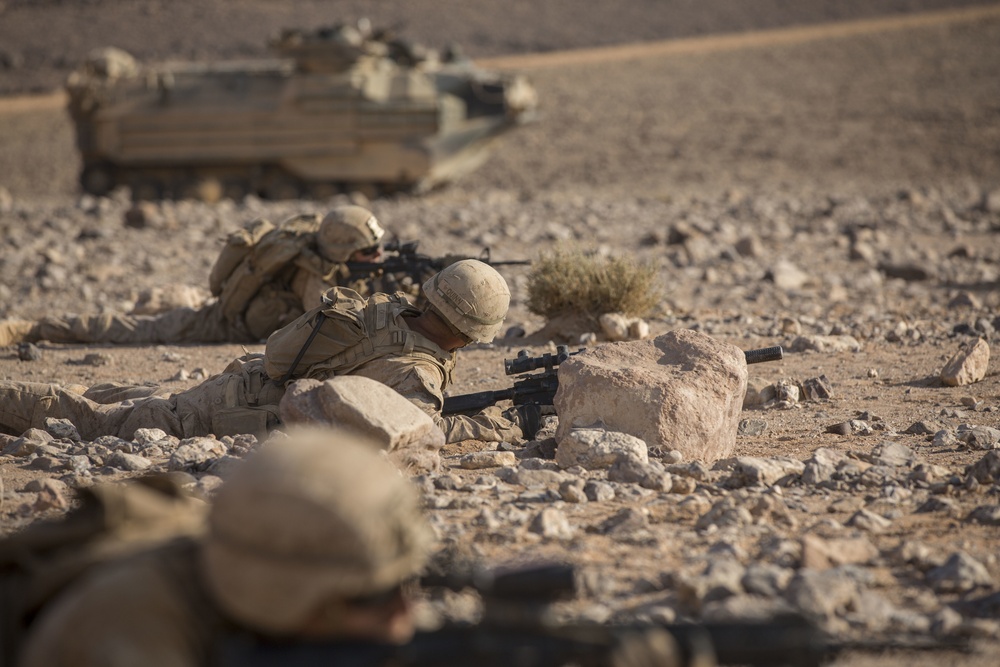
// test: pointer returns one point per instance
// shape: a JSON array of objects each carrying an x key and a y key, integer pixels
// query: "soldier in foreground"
[
  {"x": 311, "y": 538},
  {"x": 383, "y": 337},
  {"x": 264, "y": 278}
]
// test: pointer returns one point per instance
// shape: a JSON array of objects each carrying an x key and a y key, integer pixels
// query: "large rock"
[
  {"x": 682, "y": 391},
  {"x": 968, "y": 365},
  {"x": 371, "y": 408}
]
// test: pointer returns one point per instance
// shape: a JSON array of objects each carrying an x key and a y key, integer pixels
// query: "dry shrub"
[{"x": 573, "y": 283}]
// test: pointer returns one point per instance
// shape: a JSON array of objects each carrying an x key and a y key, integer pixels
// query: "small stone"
[
  {"x": 959, "y": 574},
  {"x": 489, "y": 459},
  {"x": 988, "y": 515},
  {"x": 130, "y": 462},
  {"x": 756, "y": 471},
  {"x": 145, "y": 436},
  {"x": 751, "y": 427},
  {"x": 672, "y": 457},
  {"x": 924, "y": 428},
  {"x": 29, "y": 352},
  {"x": 595, "y": 448},
  {"x": 767, "y": 579},
  {"x": 62, "y": 428},
  {"x": 979, "y": 438},
  {"x": 869, "y": 521},
  {"x": 821, "y": 554},
  {"x": 850, "y": 427},
  {"x": 822, "y": 594},
  {"x": 79, "y": 464},
  {"x": 968, "y": 365},
  {"x": 944, "y": 438},
  {"x": 45, "y": 463},
  {"x": 817, "y": 389},
  {"x": 937, "y": 504},
  {"x": 597, "y": 491},
  {"x": 625, "y": 521},
  {"x": 552, "y": 523},
  {"x": 572, "y": 491},
  {"x": 27, "y": 443},
  {"x": 196, "y": 454},
  {"x": 842, "y": 343},
  {"x": 892, "y": 454},
  {"x": 649, "y": 475}
]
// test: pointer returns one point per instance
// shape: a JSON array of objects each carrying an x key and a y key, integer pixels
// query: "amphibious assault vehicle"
[{"x": 340, "y": 108}]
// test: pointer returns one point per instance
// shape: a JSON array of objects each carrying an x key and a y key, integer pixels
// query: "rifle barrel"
[
  {"x": 454, "y": 405},
  {"x": 763, "y": 354}
]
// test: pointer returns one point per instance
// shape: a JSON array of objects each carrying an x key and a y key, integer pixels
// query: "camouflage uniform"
[
  {"x": 244, "y": 398},
  {"x": 265, "y": 277},
  {"x": 147, "y": 610},
  {"x": 252, "y": 571}
]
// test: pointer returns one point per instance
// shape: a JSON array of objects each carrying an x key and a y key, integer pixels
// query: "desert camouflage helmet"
[
  {"x": 346, "y": 229},
  {"x": 471, "y": 296},
  {"x": 316, "y": 516}
]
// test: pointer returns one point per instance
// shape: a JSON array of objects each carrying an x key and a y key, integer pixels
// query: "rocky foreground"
[{"x": 864, "y": 487}]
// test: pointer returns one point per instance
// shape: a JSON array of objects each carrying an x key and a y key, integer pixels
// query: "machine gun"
[
  {"x": 540, "y": 388},
  {"x": 518, "y": 629},
  {"x": 403, "y": 259}
]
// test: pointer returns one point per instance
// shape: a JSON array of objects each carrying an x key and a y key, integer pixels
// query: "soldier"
[
  {"x": 383, "y": 337},
  {"x": 264, "y": 278},
  {"x": 312, "y": 538}
]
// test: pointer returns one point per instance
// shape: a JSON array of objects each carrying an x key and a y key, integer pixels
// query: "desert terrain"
[{"x": 836, "y": 176}]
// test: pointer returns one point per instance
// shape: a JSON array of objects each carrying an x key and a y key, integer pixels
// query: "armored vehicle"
[{"x": 340, "y": 108}]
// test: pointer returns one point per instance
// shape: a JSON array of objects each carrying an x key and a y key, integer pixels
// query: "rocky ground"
[{"x": 843, "y": 187}]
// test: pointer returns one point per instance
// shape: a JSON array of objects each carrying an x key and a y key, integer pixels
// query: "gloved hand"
[
  {"x": 646, "y": 647},
  {"x": 527, "y": 417}
]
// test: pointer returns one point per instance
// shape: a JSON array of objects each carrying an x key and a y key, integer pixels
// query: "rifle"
[
  {"x": 517, "y": 630},
  {"x": 404, "y": 259},
  {"x": 540, "y": 388}
]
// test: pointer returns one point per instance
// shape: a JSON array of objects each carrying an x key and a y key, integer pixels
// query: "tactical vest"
[
  {"x": 254, "y": 255},
  {"x": 345, "y": 333}
]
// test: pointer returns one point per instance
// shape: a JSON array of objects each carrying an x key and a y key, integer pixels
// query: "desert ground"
[{"x": 805, "y": 174}]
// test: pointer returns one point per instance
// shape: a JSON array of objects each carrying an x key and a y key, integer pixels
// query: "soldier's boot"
[{"x": 13, "y": 332}]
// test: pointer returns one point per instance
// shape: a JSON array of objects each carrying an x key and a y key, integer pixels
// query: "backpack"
[
  {"x": 254, "y": 255},
  {"x": 112, "y": 521},
  {"x": 344, "y": 333}
]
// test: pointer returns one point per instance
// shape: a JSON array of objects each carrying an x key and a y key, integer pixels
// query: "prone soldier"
[
  {"x": 312, "y": 538},
  {"x": 383, "y": 337},
  {"x": 264, "y": 278}
]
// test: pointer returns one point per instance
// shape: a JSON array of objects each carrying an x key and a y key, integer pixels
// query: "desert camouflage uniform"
[
  {"x": 292, "y": 290},
  {"x": 244, "y": 575},
  {"x": 244, "y": 399},
  {"x": 149, "y": 609}
]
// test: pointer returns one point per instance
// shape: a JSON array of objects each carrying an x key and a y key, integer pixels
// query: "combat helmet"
[
  {"x": 345, "y": 230},
  {"x": 316, "y": 516},
  {"x": 471, "y": 296}
]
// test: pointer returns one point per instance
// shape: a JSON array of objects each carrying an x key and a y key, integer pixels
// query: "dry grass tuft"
[{"x": 573, "y": 283}]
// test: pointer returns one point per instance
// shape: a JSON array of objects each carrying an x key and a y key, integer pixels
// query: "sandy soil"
[{"x": 890, "y": 137}]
